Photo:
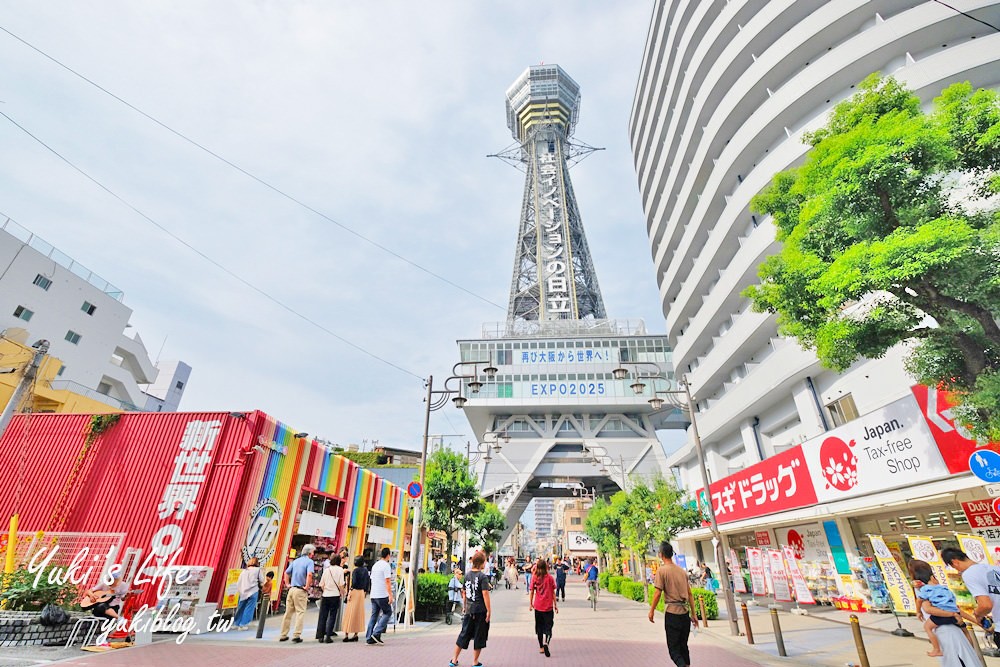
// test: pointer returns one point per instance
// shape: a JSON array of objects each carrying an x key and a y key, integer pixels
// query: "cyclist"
[{"x": 591, "y": 578}]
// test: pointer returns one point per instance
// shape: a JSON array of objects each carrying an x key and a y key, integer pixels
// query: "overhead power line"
[
  {"x": 967, "y": 15},
  {"x": 267, "y": 295},
  {"x": 251, "y": 175}
]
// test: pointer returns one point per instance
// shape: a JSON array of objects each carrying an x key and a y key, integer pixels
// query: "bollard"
[
  {"x": 746, "y": 622},
  {"x": 781, "y": 640},
  {"x": 704, "y": 616},
  {"x": 265, "y": 610},
  {"x": 970, "y": 634},
  {"x": 858, "y": 641}
]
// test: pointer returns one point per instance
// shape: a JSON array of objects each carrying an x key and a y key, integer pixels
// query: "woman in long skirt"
[{"x": 354, "y": 615}]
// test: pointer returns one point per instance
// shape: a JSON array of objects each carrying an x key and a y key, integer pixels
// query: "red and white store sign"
[
  {"x": 980, "y": 514},
  {"x": 889, "y": 448},
  {"x": 778, "y": 483},
  {"x": 763, "y": 538},
  {"x": 952, "y": 439},
  {"x": 885, "y": 449}
]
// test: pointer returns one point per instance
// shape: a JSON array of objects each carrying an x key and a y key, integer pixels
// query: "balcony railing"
[
  {"x": 77, "y": 388},
  {"x": 559, "y": 328}
]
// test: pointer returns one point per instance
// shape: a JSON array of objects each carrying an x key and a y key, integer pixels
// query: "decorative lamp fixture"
[
  {"x": 490, "y": 371},
  {"x": 475, "y": 386},
  {"x": 460, "y": 401},
  {"x": 656, "y": 402},
  {"x": 619, "y": 373},
  {"x": 638, "y": 387},
  {"x": 300, "y": 435}
]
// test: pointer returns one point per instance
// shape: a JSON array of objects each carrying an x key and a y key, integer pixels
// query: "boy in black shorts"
[{"x": 476, "y": 623}]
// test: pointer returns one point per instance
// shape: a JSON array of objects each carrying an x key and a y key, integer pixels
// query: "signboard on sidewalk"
[
  {"x": 923, "y": 549},
  {"x": 975, "y": 548},
  {"x": 755, "y": 562},
  {"x": 739, "y": 583},
  {"x": 779, "y": 579},
  {"x": 802, "y": 593},
  {"x": 231, "y": 598},
  {"x": 895, "y": 580}
]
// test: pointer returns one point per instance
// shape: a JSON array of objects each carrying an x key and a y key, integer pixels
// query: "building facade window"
[
  {"x": 23, "y": 313},
  {"x": 73, "y": 337},
  {"x": 88, "y": 307},
  {"x": 842, "y": 410},
  {"x": 42, "y": 282},
  {"x": 575, "y": 521},
  {"x": 61, "y": 369},
  {"x": 179, "y": 385}
]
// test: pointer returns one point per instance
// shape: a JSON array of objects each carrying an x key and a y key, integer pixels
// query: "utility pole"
[{"x": 30, "y": 371}]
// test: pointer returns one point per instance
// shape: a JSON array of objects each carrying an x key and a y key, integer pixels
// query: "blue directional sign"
[
  {"x": 414, "y": 490},
  {"x": 985, "y": 464}
]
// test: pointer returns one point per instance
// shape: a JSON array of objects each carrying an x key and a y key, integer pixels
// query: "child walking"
[
  {"x": 934, "y": 594},
  {"x": 542, "y": 599}
]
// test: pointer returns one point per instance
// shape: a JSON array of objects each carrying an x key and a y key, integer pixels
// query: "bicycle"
[{"x": 593, "y": 588}]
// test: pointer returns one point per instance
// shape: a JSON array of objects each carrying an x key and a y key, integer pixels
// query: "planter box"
[{"x": 22, "y": 628}]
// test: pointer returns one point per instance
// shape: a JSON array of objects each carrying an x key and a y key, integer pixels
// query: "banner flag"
[
  {"x": 755, "y": 561},
  {"x": 739, "y": 583},
  {"x": 782, "y": 592},
  {"x": 975, "y": 548},
  {"x": 895, "y": 580},
  {"x": 923, "y": 549},
  {"x": 802, "y": 593}
]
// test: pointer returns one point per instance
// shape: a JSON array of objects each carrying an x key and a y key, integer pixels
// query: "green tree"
[
  {"x": 453, "y": 499},
  {"x": 891, "y": 233},
  {"x": 654, "y": 513},
  {"x": 604, "y": 525},
  {"x": 488, "y": 527}
]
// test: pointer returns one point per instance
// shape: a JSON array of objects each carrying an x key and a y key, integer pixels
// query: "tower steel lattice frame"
[{"x": 554, "y": 276}]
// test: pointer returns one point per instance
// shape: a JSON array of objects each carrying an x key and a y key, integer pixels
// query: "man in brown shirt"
[{"x": 678, "y": 605}]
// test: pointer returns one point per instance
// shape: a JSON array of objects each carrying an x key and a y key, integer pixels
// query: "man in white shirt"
[
  {"x": 381, "y": 598},
  {"x": 982, "y": 580}
]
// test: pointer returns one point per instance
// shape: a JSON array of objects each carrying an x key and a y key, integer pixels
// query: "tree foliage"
[
  {"x": 488, "y": 527},
  {"x": 639, "y": 518},
  {"x": 452, "y": 497},
  {"x": 891, "y": 233}
]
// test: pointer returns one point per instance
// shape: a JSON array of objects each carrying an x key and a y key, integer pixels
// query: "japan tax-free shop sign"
[{"x": 885, "y": 449}]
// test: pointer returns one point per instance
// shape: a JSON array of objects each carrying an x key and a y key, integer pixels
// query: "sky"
[{"x": 379, "y": 115}]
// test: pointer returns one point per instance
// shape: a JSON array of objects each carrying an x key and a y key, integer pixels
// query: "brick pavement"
[{"x": 616, "y": 634}]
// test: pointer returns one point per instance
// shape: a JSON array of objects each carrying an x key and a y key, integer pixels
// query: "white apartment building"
[
  {"x": 44, "y": 294},
  {"x": 725, "y": 92}
]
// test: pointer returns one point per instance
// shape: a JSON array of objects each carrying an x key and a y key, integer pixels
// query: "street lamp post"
[
  {"x": 638, "y": 387},
  {"x": 435, "y": 400}
]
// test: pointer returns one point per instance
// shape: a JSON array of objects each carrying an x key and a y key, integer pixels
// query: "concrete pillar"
[
  {"x": 809, "y": 411},
  {"x": 749, "y": 442}
]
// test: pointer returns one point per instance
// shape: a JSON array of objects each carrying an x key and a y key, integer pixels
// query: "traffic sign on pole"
[
  {"x": 414, "y": 490},
  {"x": 985, "y": 464}
]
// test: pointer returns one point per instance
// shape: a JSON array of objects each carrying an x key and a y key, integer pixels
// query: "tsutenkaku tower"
[{"x": 554, "y": 276}]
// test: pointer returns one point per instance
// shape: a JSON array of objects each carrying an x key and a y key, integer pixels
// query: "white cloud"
[{"x": 380, "y": 115}]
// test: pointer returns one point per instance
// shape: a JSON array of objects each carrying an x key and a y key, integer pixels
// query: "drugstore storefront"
[{"x": 884, "y": 474}]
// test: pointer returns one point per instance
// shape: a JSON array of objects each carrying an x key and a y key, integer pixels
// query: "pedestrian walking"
[
  {"x": 561, "y": 569},
  {"x": 542, "y": 599},
  {"x": 476, "y": 622},
  {"x": 334, "y": 587},
  {"x": 381, "y": 598},
  {"x": 354, "y": 613},
  {"x": 298, "y": 579},
  {"x": 671, "y": 582},
  {"x": 455, "y": 587},
  {"x": 249, "y": 584}
]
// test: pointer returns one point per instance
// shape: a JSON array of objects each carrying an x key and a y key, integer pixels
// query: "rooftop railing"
[{"x": 558, "y": 328}]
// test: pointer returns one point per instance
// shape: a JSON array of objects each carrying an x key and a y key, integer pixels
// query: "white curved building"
[{"x": 725, "y": 91}]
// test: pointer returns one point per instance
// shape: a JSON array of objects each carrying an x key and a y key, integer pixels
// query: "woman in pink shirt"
[{"x": 542, "y": 599}]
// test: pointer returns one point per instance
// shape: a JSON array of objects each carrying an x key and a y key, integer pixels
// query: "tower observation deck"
[{"x": 554, "y": 276}]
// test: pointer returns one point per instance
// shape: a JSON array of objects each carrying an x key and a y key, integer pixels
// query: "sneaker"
[
  {"x": 452, "y": 663},
  {"x": 371, "y": 642},
  {"x": 296, "y": 640},
  {"x": 283, "y": 639},
  {"x": 546, "y": 649},
  {"x": 378, "y": 639}
]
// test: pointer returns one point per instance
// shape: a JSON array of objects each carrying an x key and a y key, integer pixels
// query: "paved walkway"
[{"x": 617, "y": 634}]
